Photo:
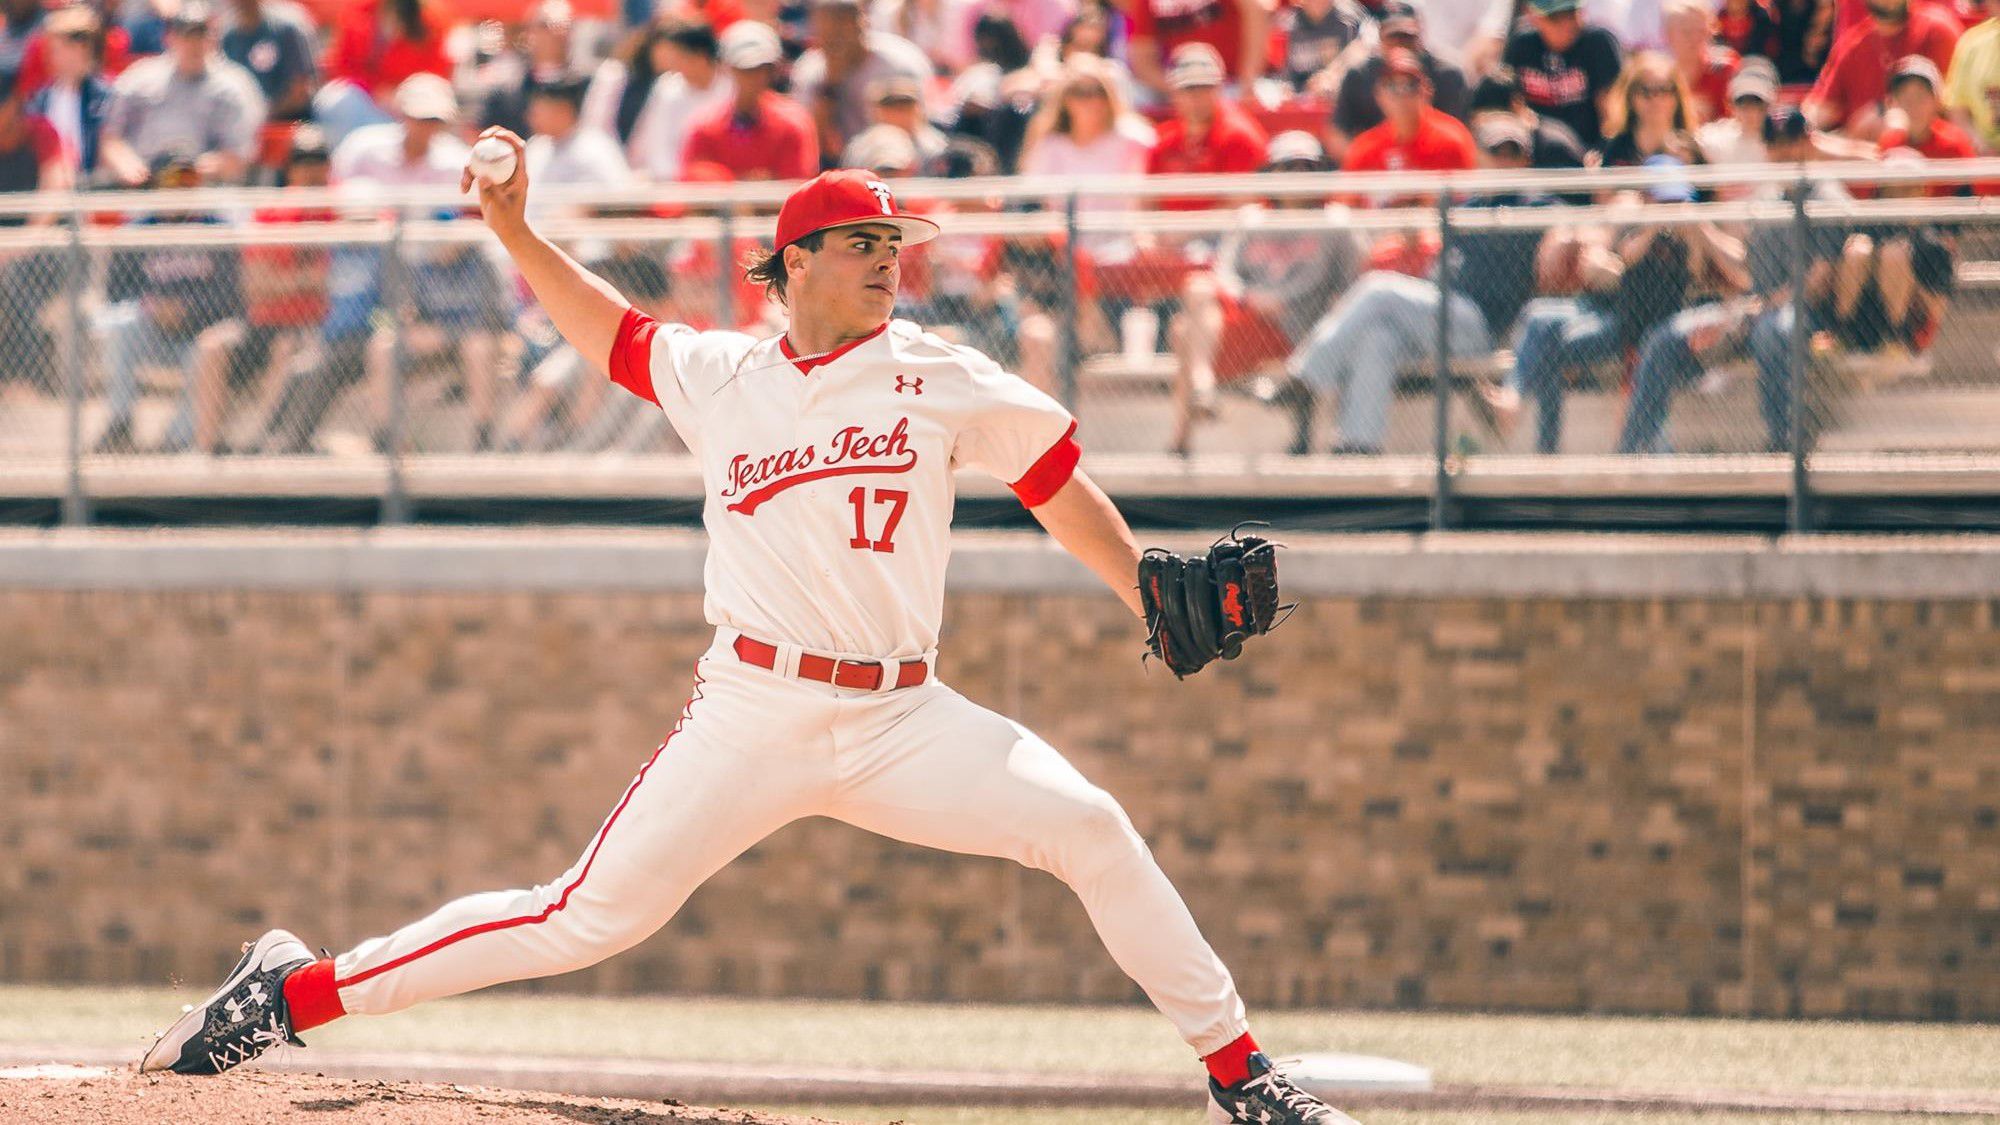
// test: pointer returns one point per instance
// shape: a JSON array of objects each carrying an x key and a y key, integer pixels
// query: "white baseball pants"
[{"x": 755, "y": 750}]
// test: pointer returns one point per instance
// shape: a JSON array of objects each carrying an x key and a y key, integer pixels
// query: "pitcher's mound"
[{"x": 122, "y": 1097}]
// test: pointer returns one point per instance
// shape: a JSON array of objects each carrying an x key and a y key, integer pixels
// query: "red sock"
[
  {"x": 1231, "y": 1064},
  {"x": 311, "y": 997}
]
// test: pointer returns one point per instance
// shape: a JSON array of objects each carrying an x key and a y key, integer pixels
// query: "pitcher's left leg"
[{"x": 944, "y": 772}]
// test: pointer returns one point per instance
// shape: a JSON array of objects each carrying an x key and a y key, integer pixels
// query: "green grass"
[
  {"x": 1628, "y": 1053},
  {"x": 997, "y": 1115}
]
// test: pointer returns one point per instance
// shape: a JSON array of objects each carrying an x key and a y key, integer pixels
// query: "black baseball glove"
[{"x": 1202, "y": 607}]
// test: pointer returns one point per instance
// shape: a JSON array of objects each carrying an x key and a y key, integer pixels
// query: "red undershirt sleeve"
[
  {"x": 632, "y": 355},
  {"x": 1050, "y": 472}
]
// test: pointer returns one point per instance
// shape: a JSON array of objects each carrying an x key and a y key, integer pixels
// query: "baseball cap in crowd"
[
  {"x": 845, "y": 198},
  {"x": 1669, "y": 191},
  {"x": 1554, "y": 7},
  {"x": 308, "y": 145},
  {"x": 427, "y": 97},
  {"x": 1785, "y": 123},
  {"x": 747, "y": 45},
  {"x": 71, "y": 20},
  {"x": 883, "y": 148},
  {"x": 896, "y": 88},
  {"x": 1916, "y": 66},
  {"x": 1497, "y": 130},
  {"x": 1756, "y": 82},
  {"x": 1294, "y": 146},
  {"x": 194, "y": 15},
  {"x": 555, "y": 14},
  {"x": 1398, "y": 18},
  {"x": 1194, "y": 65}
]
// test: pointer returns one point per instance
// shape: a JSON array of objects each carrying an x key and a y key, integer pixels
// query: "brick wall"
[{"x": 1770, "y": 805}]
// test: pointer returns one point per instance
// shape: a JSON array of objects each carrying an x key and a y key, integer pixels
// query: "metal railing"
[{"x": 389, "y": 330}]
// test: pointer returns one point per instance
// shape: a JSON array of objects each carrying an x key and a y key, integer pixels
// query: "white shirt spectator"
[
  {"x": 374, "y": 154},
  {"x": 1636, "y": 23},
  {"x": 1448, "y": 25},
  {"x": 1723, "y": 142},
  {"x": 585, "y": 156},
  {"x": 659, "y": 136}
]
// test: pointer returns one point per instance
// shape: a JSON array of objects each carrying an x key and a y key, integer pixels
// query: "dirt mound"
[{"x": 257, "y": 1098}]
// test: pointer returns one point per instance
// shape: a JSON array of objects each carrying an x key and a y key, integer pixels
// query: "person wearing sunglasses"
[
  {"x": 1355, "y": 109},
  {"x": 1567, "y": 66},
  {"x": 1851, "y": 91},
  {"x": 1650, "y": 115}
]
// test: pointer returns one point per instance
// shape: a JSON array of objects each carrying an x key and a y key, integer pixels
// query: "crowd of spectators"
[{"x": 158, "y": 93}]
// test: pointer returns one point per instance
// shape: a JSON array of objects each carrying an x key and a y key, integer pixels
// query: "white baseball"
[{"x": 492, "y": 160}]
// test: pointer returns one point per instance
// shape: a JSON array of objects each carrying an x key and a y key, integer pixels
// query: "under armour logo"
[
  {"x": 254, "y": 998},
  {"x": 911, "y": 383}
]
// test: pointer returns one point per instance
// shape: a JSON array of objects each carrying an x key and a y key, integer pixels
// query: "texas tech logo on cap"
[{"x": 847, "y": 198}]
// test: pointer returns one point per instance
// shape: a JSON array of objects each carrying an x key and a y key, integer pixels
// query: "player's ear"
[{"x": 794, "y": 258}]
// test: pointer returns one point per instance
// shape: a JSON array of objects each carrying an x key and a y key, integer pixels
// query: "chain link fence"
[{"x": 1597, "y": 323}]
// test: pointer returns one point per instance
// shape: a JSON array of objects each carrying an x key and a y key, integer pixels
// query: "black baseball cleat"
[
  {"x": 245, "y": 1017},
  {"x": 1267, "y": 1097}
]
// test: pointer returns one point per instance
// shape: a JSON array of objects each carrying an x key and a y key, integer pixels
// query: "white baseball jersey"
[{"x": 829, "y": 479}]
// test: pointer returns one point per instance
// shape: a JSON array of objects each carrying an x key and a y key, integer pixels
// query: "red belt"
[{"x": 863, "y": 674}]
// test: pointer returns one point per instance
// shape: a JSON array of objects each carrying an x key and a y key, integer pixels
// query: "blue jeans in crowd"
[
  {"x": 1387, "y": 320},
  {"x": 1559, "y": 335},
  {"x": 133, "y": 343},
  {"x": 1667, "y": 362}
]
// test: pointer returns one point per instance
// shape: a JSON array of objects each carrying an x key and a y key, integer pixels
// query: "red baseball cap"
[{"x": 844, "y": 198}]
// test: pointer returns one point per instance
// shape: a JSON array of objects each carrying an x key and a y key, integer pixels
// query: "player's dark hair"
[{"x": 767, "y": 267}]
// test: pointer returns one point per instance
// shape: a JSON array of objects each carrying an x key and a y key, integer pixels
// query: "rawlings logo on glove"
[{"x": 1202, "y": 607}]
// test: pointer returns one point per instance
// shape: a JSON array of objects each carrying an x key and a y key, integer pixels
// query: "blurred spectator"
[
  {"x": 1389, "y": 320},
  {"x": 1207, "y": 133},
  {"x": 1313, "y": 34},
  {"x": 562, "y": 150},
  {"x": 1357, "y": 109},
  {"x": 1920, "y": 126},
  {"x": 284, "y": 301},
  {"x": 1972, "y": 85},
  {"x": 1414, "y": 135},
  {"x": 1739, "y": 137},
  {"x": 76, "y": 99},
  {"x": 672, "y": 76},
  {"x": 1748, "y": 27},
  {"x": 1261, "y": 296},
  {"x": 1805, "y": 36},
  {"x": 31, "y": 159},
  {"x": 1237, "y": 30},
  {"x": 417, "y": 150},
  {"x": 161, "y": 302},
  {"x": 111, "y": 46},
  {"x": 995, "y": 98},
  {"x": 943, "y": 29},
  {"x": 1891, "y": 283},
  {"x": 373, "y": 48},
  {"x": 1567, "y": 66},
  {"x": 190, "y": 99},
  {"x": 885, "y": 150},
  {"x": 1850, "y": 14},
  {"x": 1848, "y": 96},
  {"x": 1635, "y": 23},
  {"x": 542, "y": 58},
  {"x": 1472, "y": 31},
  {"x": 832, "y": 79},
  {"x": 1555, "y": 145},
  {"x": 899, "y": 101},
  {"x": 1649, "y": 115},
  {"x": 1705, "y": 65},
  {"x": 1086, "y": 128},
  {"x": 1626, "y": 284},
  {"x": 19, "y": 20},
  {"x": 565, "y": 404},
  {"x": 273, "y": 40},
  {"x": 760, "y": 134}
]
